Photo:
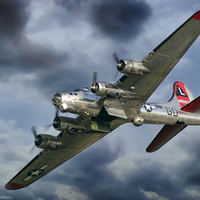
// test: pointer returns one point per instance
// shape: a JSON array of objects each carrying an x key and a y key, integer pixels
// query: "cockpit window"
[
  {"x": 85, "y": 89},
  {"x": 75, "y": 93},
  {"x": 70, "y": 93}
]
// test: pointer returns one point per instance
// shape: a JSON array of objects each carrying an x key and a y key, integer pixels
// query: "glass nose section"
[{"x": 56, "y": 99}]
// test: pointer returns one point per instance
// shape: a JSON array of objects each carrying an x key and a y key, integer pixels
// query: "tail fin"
[{"x": 181, "y": 95}]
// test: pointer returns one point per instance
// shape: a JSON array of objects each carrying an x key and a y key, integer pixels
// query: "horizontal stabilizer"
[
  {"x": 166, "y": 134},
  {"x": 169, "y": 131},
  {"x": 193, "y": 107}
]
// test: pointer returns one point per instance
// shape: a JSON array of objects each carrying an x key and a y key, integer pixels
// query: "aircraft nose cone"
[{"x": 56, "y": 99}]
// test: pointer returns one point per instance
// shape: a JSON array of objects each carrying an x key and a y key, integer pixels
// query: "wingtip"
[
  {"x": 196, "y": 15},
  {"x": 14, "y": 186},
  {"x": 150, "y": 150}
]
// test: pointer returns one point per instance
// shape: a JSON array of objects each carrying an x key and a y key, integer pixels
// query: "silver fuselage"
[{"x": 85, "y": 103}]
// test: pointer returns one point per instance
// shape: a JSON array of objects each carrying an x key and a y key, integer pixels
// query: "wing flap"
[{"x": 166, "y": 134}]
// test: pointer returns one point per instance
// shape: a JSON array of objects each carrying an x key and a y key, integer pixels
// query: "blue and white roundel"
[{"x": 148, "y": 107}]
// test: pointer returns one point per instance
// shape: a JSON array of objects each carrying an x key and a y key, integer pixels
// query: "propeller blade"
[
  {"x": 35, "y": 135},
  {"x": 95, "y": 77},
  {"x": 115, "y": 76},
  {"x": 34, "y": 130},
  {"x": 47, "y": 127},
  {"x": 32, "y": 150},
  {"x": 117, "y": 60},
  {"x": 115, "y": 56},
  {"x": 57, "y": 111},
  {"x": 94, "y": 87}
]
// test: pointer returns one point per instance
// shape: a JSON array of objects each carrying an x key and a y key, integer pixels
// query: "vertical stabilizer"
[{"x": 181, "y": 95}]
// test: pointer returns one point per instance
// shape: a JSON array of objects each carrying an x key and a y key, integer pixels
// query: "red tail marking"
[
  {"x": 181, "y": 94},
  {"x": 192, "y": 106}
]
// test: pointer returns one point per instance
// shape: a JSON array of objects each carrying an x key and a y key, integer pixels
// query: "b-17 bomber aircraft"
[{"x": 106, "y": 106}]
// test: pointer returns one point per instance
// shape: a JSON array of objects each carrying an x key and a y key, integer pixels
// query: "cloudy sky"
[{"x": 51, "y": 45}]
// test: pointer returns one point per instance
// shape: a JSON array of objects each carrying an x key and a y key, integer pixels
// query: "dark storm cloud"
[
  {"x": 122, "y": 20},
  {"x": 28, "y": 193},
  {"x": 73, "y": 5},
  {"x": 32, "y": 55},
  {"x": 13, "y": 20},
  {"x": 13, "y": 16},
  {"x": 29, "y": 57},
  {"x": 116, "y": 19},
  {"x": 17, "y": 52},
  {"x": 190, "y": 170},
  {"x": 89, "y": 172}
]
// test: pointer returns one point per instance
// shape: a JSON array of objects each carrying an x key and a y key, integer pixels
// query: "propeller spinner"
[
  {"x": 38, "y": 139},
  {"x": 120, "y": 63},
  {"x": 37, "y": 142},
  {"x": 94, "y": 87}
]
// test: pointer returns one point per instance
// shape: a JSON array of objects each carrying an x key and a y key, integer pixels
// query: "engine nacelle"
[
  {"x": 45, "y": 141},
  {"x": 138, "y": 121},
  {"x": 107, "y": 89},
  {"x": 67, "y": 123},
  {"x": 131, "y": 67}
]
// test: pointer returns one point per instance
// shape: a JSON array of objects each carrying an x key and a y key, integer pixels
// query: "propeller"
[
  {"x": 35, "y": 136},
  {"x": 34, "y": 131},
  {"x": 38, "y": 139},
  {"x": 94, "y": 87},
  {"x": 120, "y": 63},
  {"x": 115, "y": 56},
  {"x": 95, "y": 77},
  {"x": 117, "y": 60},
  {"x": 47, "y": 127}
]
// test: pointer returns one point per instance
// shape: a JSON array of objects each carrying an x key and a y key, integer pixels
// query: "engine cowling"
[
  {"x": 67, "y": 123},
  {"x": 128, "y": 66},
  {"x": 107, "y": 89},
  {"x": 45, "y": 141}
]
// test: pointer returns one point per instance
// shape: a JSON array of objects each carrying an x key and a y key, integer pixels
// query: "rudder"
[{"x": 181, "y": 94}]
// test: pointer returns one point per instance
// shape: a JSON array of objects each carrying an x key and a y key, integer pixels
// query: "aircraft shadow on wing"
[{"x": 106, "y": 106}]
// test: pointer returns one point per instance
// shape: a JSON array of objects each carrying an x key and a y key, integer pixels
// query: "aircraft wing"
[
  {"x": 160, "y": 62},
  {"x": 47, "y": 160}
]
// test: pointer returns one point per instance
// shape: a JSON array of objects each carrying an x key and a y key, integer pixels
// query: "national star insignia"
[
  {"x": 35, "y": 172},
  {"x": 148, "y": 108}
]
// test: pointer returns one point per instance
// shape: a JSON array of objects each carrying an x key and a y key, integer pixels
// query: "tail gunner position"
[{"x": 106, "y": 106}]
